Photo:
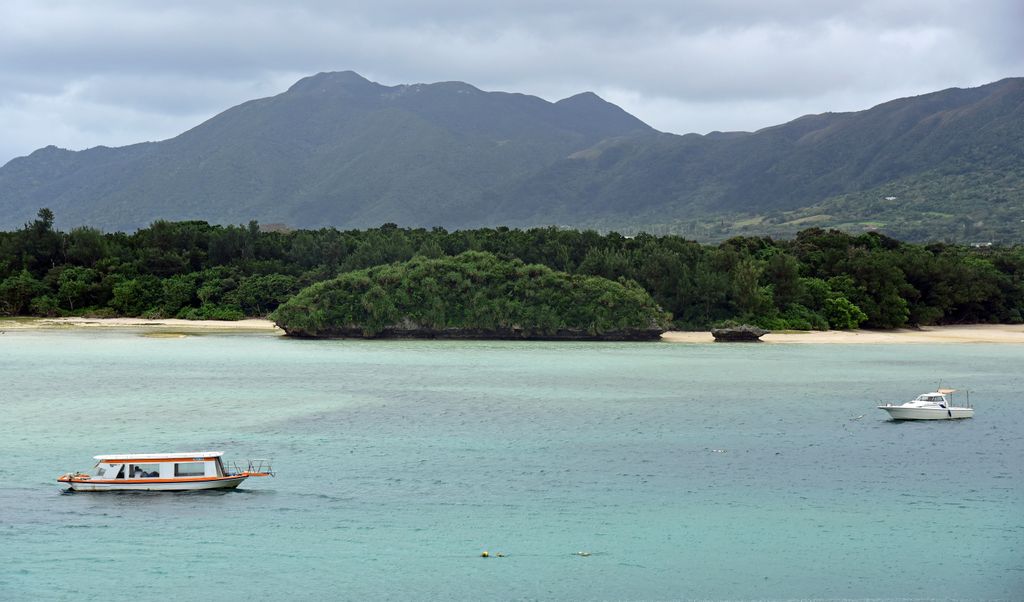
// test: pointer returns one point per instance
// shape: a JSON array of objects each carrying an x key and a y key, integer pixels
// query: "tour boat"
[
  {"x": 182, "y": 471},
  {"x": 930, "y": 406}
]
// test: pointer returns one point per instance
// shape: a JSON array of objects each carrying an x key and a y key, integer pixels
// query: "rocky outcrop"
[
  {"x": 403, "y": 331},
  {"x": 739, "y": 334}
]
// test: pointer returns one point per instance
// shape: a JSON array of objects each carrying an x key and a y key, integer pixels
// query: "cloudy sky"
[{"x": 91, "y": 72}]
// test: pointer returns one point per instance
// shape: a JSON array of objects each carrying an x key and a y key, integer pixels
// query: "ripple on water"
[{"x": 683, "y": 470}]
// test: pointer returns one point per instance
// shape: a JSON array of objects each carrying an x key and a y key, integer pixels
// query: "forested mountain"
[
  {"x": 335, "y": 149},
  {"x": 339, "y": 150}
]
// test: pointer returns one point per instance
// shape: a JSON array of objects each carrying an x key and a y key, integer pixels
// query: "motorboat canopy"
[{"x": 173, "y": 456}]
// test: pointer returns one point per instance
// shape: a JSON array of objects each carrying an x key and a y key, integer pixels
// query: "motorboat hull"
[
  {"x": 904, "y": 413},
  {"x": 156, "y": 484}
]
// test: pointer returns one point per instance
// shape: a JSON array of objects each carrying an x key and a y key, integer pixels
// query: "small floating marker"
[
  {"x": 485, "y": 554},
  {"x": 584, "y": 554},
  {"x": 718, "y": 451},
  {"x": 499, "y": 555}
]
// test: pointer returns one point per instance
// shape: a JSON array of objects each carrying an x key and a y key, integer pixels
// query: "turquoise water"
[{"x": 687, "y": 471}]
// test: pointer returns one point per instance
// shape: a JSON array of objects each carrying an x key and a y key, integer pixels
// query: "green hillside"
[{"x": 953, "y": 161}]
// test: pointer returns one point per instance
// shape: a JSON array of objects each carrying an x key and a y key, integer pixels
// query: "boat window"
[
  {"x": 189, "y": 469},
  {"x": 120, "y": 473},
  {"x": 145, "y": 471},
  {"x": 101, "y": 471}
]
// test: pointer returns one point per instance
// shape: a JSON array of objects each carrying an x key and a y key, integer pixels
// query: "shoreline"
[
  {"x": 968, "y": 333},
  {"x": 169, "y": 324},
  {"x": 971, "y": 333}
]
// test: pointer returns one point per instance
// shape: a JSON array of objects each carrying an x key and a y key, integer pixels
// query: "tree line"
[{"x": 819, "y": 279}]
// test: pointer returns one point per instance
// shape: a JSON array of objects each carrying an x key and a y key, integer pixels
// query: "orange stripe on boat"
[{"x": 181, "y": 480}]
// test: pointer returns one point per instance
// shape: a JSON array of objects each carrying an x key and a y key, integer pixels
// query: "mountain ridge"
[{"x": 336, "y": 149}]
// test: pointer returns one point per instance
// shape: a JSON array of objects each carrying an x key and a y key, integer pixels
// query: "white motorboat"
[
  {"x": 937, "y": 405},
  {"x": 181, "y": 471}
]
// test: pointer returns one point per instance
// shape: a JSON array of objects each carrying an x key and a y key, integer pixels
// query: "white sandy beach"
[
  {"x": 973, "y": 333},
  {"x": 172, "y": 324}
]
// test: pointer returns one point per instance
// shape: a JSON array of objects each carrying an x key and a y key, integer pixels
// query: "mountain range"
[{"x": 338, "y": 150}]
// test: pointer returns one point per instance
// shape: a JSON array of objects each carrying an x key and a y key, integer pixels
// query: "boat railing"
[
  {"x": 949, "y": 394},
  {"x": 258, "y": 466},
  {"x": 965, "y": 403}
]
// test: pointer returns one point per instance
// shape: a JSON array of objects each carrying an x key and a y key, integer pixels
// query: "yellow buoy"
[{"x": 485, "y": 554}]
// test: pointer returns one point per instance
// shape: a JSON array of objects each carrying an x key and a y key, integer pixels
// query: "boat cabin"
[
  {"x": 932, "y": 397},
  {"x": 160, "y": 466}
]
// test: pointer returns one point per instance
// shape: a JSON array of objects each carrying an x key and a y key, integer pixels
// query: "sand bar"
[{"x": 973, "y": 333}]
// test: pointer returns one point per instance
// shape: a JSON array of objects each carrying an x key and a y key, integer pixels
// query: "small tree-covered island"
[{"x": 472, "y": 295}]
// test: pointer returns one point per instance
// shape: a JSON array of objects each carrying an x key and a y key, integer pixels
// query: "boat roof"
[
  {"x": 191, "y": 454},
  {"x": 946, "y": 391}
]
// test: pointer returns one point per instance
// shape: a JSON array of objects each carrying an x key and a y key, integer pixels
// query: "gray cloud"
[{"x": 79, "y": 74}]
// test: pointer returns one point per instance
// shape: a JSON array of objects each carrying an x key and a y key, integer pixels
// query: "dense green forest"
[
  {"x": 817, "y": 280},
  {"x": 471, "y": 295}
]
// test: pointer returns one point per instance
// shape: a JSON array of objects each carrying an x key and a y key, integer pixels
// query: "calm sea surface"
[{"x": 686, "y": 471}]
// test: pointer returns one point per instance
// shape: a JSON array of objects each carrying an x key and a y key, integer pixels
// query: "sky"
[{"x": 104, "y": 72}]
